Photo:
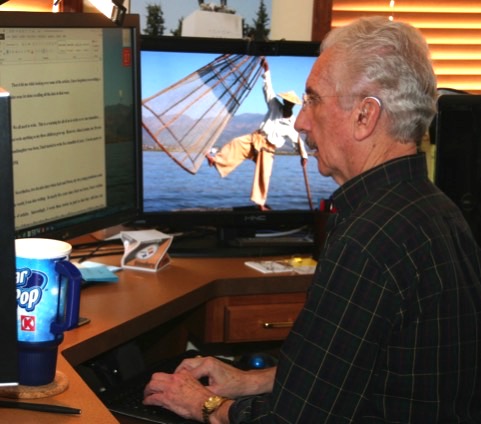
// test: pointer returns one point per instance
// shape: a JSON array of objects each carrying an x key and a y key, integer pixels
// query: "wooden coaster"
[{"x": 57, "y": 386}]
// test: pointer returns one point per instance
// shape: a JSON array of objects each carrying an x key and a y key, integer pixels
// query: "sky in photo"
[{"x": 162, "y": 69}]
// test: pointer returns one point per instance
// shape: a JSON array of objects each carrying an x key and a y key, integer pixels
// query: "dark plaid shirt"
[{"x": 391, "y": 329}]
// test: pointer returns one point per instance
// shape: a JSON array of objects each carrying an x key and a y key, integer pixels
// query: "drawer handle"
[{"x": 280, "y": 324}]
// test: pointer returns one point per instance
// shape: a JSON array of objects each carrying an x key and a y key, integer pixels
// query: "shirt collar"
[{"x": 349, "y": 196}]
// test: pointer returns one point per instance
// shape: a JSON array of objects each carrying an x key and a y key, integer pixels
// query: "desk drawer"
[
  {"x": 233, "y": 319},
  {"x": 249, "y": 323}
]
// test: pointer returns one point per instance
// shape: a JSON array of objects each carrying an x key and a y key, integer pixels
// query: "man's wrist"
[{"x": 221, "y": 415}]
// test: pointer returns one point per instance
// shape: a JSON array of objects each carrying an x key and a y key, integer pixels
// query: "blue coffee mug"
[{"x": 48, "y": 302}]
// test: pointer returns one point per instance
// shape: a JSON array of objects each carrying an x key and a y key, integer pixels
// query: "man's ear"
[{"x": 368, "y": 113}]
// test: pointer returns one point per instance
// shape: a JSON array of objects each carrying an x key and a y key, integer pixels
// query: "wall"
[{"x": 291, "y": 19}]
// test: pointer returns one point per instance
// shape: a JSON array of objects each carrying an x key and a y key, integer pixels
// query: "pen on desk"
[{"x": 39, "y": 407}]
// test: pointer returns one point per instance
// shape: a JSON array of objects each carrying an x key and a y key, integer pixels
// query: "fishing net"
[{"x": 186, "y": 118}]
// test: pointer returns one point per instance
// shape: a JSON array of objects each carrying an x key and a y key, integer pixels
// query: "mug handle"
[{"x": 70, "y": 316}]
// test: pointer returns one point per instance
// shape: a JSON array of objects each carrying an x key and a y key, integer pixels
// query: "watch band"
[{"x": 211, "y": 405}]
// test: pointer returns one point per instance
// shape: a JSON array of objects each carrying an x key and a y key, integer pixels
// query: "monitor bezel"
[{"x": 8, "y": 304}]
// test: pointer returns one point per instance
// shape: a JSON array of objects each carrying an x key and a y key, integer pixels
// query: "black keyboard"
[
  {"x": 126, "y": 398},
  {"x": 272, "y": 241}
]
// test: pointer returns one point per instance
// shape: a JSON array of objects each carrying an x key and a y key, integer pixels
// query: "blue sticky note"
[{"x": 99, "y": 273}]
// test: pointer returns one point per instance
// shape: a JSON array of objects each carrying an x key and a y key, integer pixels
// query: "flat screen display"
[
  {"x": 74, "y": 82},
  {"x": 179, "y": 186},
  {"x": 456, "y": 132}
]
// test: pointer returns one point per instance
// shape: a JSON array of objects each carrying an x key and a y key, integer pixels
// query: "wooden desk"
[{"x": 140, "y": 302}]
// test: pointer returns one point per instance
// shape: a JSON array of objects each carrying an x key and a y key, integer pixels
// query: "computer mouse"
[{"x": 257, "y": 360}]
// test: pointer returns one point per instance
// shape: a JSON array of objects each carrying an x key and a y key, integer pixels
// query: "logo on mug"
[
  {"x": 27, "y": 323},
  {"x": 30, "y": 284}
]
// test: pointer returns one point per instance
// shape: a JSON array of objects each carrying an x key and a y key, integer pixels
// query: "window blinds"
[{"x": 452, "y": 30}]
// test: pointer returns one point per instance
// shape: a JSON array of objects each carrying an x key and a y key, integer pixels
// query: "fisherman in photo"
[{"x": 260, "y": 146}]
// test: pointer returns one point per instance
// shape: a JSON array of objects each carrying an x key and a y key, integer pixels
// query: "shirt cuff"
[{"x": 246, "y": 409}]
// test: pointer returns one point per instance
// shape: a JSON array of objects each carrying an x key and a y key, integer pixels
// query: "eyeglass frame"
[{"x": 310, "y": 99}]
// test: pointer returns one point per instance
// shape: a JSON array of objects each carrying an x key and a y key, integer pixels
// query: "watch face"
[
  {"x": 213, "y": 403},
  {"x": 210, "y": 405}
]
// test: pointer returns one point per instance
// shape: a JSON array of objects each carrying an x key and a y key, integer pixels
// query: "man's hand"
[
  {"x": 223, "y": 379},
  {"x": 179, "y": 392},
  {"x": 182, "y": 393},
  {"x": 226, "y": 380}
]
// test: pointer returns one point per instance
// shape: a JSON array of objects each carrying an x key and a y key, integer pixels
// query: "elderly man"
[{"x": 391, "y": 328}]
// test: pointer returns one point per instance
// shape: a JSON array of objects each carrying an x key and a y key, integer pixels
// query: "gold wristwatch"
[{"x": 210, "y": 406}]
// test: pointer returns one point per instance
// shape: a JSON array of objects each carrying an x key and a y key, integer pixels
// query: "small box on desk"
[{"x": 145, "y": 250}]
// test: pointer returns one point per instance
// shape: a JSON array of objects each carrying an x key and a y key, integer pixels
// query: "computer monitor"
[
  {"x": 456, "y": 132},
  {"x": 74, "y": 81},
  {"x": 8, "y": 303},
  {"x": 180, "y": 191}
]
